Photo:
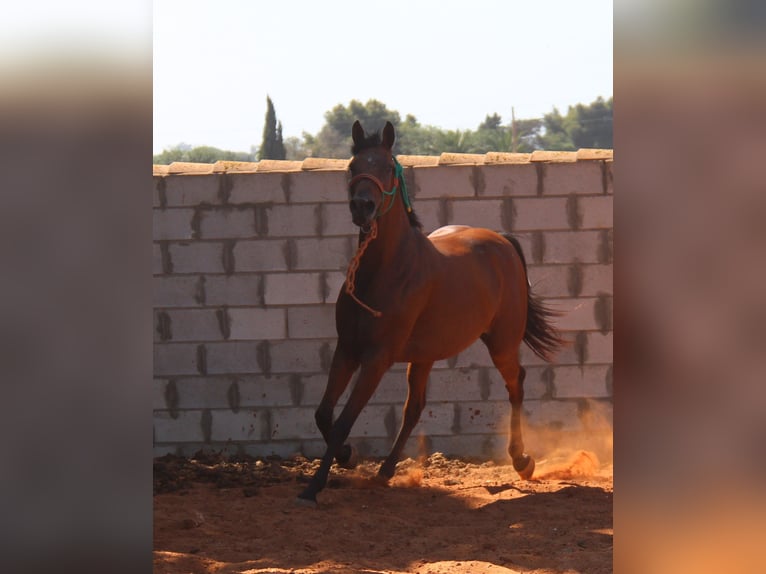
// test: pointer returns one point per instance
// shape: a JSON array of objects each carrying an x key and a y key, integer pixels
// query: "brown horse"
[{"x": 414, "y": 298}]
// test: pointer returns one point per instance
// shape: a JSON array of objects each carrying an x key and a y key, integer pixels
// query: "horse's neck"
[{"x": 395, "y": 234}]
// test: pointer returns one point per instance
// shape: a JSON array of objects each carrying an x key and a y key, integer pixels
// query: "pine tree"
[{"x": 272, "y": 146}]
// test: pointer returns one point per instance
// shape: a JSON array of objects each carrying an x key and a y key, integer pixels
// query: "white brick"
[
  {"x": 260, "y": 255},
  {"x": 293, "y": 423},
  {"x": 227, "y": 223},
  {"x": 568, "y": 246},
  {"x": 443, "y": 181},
  {"x": 549, "y": 280},
  {"x": 158, "y": 394},
  {"x": 600, "y": 347},
  {"x": 175, "y": 291},
  {"x": 256, "y": 323},
  {"x": 540, "y": 213},
  {"x": 197, "y": 257},
  {"x": 336, "y": 220},
  {"x": 487, "y": 417},
  {"x": 319, "y": 254},
  {"x": 437, "y": 419},
  {"x": 203, "y": 392},
  {"x": 578, "y": 314},
  {"x": 233, "y": 357},
  {"x": 511, "y": 179},
  {"x": 156, "y": 259},
  {"x": 453, "y": 385},
  {"x": 246, "y": 424},
  {"x": 296, "y": 356},
  {"x": 311, "y": 322},
  {"x": 372, "y": 422},
  {"x": 191, "y": 189},
  {"x": 292, "y": 220},
  {"x": 292, "y": 288},
  {"x": 535, "y": 386},
  {"x": 265, "y": 391},
  {"x": 476, "y": 355},
  {"x": 334, "y": 282},
  {"x": 597, "y": 212},
  {"x": 392, "y": 389},
  {"x": 561, "y": 415},
  {"x": 577, "y": 382},
  {"x": 565, "y": 356},
  {"x": 175, "y": 359},
  {"x": 477, "y": 213},
  {"x": 256, "y": 187},
  {"x": 428, "y": 211},
  {"x": 597, "y": 279},
  {"x": 582, "y": 177},
  {"x": 194, "y": 325},
  {"x": 239, "y": 289},
  {"x": 318, "y": 186},
  {"x": 172, "y": 223},
  {"x": 186, "y": 428}
]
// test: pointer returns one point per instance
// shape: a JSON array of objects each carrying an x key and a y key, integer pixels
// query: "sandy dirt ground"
[{"x": 438, "y": 515}]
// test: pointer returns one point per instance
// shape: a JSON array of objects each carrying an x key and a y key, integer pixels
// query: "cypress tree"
[{"x": 272, "y": 146}]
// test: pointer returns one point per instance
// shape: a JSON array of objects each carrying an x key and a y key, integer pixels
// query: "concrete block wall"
[{"x": 248, "y": 262}]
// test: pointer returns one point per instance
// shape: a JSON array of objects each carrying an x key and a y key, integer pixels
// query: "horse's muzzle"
[{"x": 362, "y": 211}]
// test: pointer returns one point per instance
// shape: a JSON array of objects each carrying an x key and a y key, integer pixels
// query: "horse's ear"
[
  {"x": 388, "y": 135},
  {"x": 357, "y": 132}
]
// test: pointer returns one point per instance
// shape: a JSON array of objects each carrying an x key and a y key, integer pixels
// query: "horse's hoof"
[
  {"x": 305, "y": 502},
  {"x": 529, "y": 469},
  {"x": 348, "y": 458}
]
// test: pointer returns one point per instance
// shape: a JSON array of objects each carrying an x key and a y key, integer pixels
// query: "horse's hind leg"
[
  {"x": 507, "y": 362},
  {"x": 417, "y": 377}
]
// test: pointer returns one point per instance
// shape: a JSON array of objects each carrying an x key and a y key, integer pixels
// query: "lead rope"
[{"x": 354, "y": 265}]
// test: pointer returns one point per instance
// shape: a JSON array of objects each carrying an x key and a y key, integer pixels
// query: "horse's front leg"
[
  {"x": 341, "y": 371},
  {"x": 368, "y": 380}
]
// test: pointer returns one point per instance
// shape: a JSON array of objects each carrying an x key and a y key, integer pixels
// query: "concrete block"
[
  {"x": 535, "y": 384},
  {"x": 580, "y": 382},
  {"x": 330, "y": 254},
  {"x": 487, "y": 417},
  {"x": 429, "y": 211},
  {"x": 509, "y": 180},
  {"x": 476, "y": 355},
  {"x": 256, "y": 188},
  {"x": 334, "y": 282},
  {"x": 172, "y": 223},
  {"x": 192, "y": 190},
  {"x": 238, "y": 289},
  {"x": 194, "y": 393},
  {"x": 578, "y": 314},
  {"x": 258, "y": 324},
  {"x": 292, "y": 288},
  {"x": 293, "y": 423},
  {"x": 292, "y": 220},
  {"x": 336, "y": 220},
  {"x": 313, "y": 388},
  {"x": 609, "y": 177},
  {"x": 454, "y": 385},
  {"x": 554, "y": 414},
  {"x": 158, "y": 394},
  {"x": 235, "y": 357},
  {"x": 600, "y": 347},
  {"x": 477, "y": 213},
  {"x": 437, "y": 419},
  {"x": 268, "y": 390},
  {"x": 318, "y": 186},
  {"x": 540, "y": 213},
  {"x": 392, "y": 390},
  {"x": 197, "y": 257},
  {"x": 176, "y": 291},
  {"x": 550, "y": 280},
  {"x": 443, "y": 181},
  {"x": 175, "y": 359},
  {"x": 245, "y": 425},
  {"x": 582, "y": 177},
  {"x": 597, "y": 279},
  {"x": 298, "y": 356},
  {"x": 311, "y": 322},
  {"x": 597, "y": 212},
  {"x": 156, "y": 259},
  {"x": 224, "y": 223},
  {"x": 186, "y": 427},
  {"x": 192, "y": 325},
  {"x": 260, "y": 255},
  {"x": 570, "y": 246},
  {"x": 567, "y": 355}
]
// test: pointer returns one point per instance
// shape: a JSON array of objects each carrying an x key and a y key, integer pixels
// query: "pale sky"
[{"x": 449, "y": 63}]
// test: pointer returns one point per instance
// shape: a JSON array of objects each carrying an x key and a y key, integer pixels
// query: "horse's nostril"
[{"x": 362, "y": 207}]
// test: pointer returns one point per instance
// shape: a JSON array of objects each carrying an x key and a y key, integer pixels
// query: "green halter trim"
[{"x": 399, "y": 170}]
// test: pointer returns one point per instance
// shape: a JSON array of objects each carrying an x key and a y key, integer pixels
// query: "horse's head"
[{"x": 373, "y": 174}]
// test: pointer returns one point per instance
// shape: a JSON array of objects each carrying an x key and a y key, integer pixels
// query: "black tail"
[{"x": 542, "y": 337}]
